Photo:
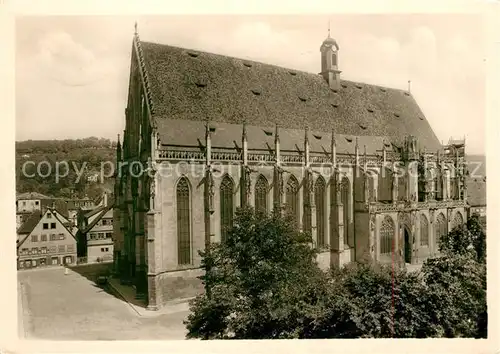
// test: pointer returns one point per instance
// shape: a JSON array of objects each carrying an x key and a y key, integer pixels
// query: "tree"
[
  {"x": 466, "y": 239},
  {"x": 263, "y": 282}
]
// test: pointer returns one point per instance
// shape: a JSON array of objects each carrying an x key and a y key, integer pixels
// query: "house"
[
  {"x": 45, "y": 239},
  {"x": 95, "y": 233},
  {"x": 74, "y": 205},
  {"x": 31, "y": 201},
  {"x": 356, "y": 165}
]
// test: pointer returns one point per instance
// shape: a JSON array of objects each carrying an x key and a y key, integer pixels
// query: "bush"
[{"x": 263, "y": 282}]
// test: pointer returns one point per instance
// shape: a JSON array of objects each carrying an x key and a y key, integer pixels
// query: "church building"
[{"x": 357, "y": 166}]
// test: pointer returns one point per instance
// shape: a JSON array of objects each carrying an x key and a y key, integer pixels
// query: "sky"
[{"x": 72, "y": 72}]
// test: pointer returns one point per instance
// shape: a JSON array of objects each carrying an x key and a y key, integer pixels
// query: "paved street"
[{"x": 72, "y": 307}]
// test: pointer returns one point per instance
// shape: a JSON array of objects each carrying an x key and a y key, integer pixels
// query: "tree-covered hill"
[{"x": 36, "y": 162}]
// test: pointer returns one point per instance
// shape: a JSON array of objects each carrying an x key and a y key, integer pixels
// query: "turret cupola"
[{"x": 329, "y": 62}]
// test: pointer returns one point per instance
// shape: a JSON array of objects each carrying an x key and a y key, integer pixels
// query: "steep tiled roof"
[
  {"x": 30, "y": 223},
  {"x": 194, "y": 85},
  {"x": 31, "y": 195},
  {"x": 180, "y": 132},
  {"x": 476, "y": 192},
  {"x": 103, "y": 210}
]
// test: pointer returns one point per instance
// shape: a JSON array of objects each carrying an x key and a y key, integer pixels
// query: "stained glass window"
[
  {"x": 345, "y": 198},
  {"x": 261, "y": 194},
  {"x": 292, "y": 198},
  {"x": 226, "y": 206},
  {"x": 183, "y": 222},
  {"x": 387, "y": 236},
  {"x": 441, "y": 228},
  {"x": 319, "y": 199},
  {"x": 424, "y": 231}
]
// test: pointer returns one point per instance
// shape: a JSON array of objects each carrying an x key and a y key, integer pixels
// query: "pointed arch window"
[
  {"x": 292, "y": 198},
  {"x": 387, "y": 231},
  {"x": 458, "y": 220},
  {"x": 261, "y": 194},
  {"x": 424, "y": 231},
  {"x": 320, "y": 201},
  {"x": 345, "y": 194},
  {"x": 183, "y": 222},
  {"x": 441, "y": 228},
  {"x": 226, "y": 206}
]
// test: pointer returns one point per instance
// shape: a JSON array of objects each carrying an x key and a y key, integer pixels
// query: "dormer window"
[{"x": 211, "y": 129}]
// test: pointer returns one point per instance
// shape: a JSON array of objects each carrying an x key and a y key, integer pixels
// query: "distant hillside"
[{"x": 39, "y": 158}]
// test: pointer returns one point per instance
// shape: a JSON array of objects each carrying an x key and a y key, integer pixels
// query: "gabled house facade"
[
  {"x": 45, "y": 239},
  {"x": 95, "y": 234}
]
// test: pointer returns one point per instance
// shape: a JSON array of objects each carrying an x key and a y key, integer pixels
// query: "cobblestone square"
[{"x": 59, "y": 306}]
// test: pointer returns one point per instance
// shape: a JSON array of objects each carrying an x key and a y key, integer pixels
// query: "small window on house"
[
  {"x": 61, "y": 248},
  {"x": 44, "y": 250},
  {"x": 52, "y": 249},
  {"x": 268, "y": 133},
  {"x": 256, "y": 92},
  {"x": 387, "y": 145},
  {"x": 104, "y": 221},
  {"x": 49, "y": 215},
  {"x": 100, "y": 235},
  {"x": 43, "y": 238},
  {"x": 107, "y": 249},
  {"x": 36, "y": 203},
  {"x": 108, "y": 234},
  {"x": 102, "y": 249},
  {"x": 71, "y": 248},
  {"x": 24, "y": 203},
  {"x": 211, "y": 129},
  {"x": 53, "y": 237},
  {"x": 61, "y": 237},
  {"x": 45, "y": 226},
  {"x": 34, "y": 238},
  {"x": 53, "y": 225}
]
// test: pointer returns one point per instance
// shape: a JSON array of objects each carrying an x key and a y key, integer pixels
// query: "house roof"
[
  {"x": 31, "y": 195},
  {"x": 476, "y": 192},
  {"x": 103, "y": 210},
  {"x": 199, "y": 86},
  {"x": 30, "y": 223}
]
